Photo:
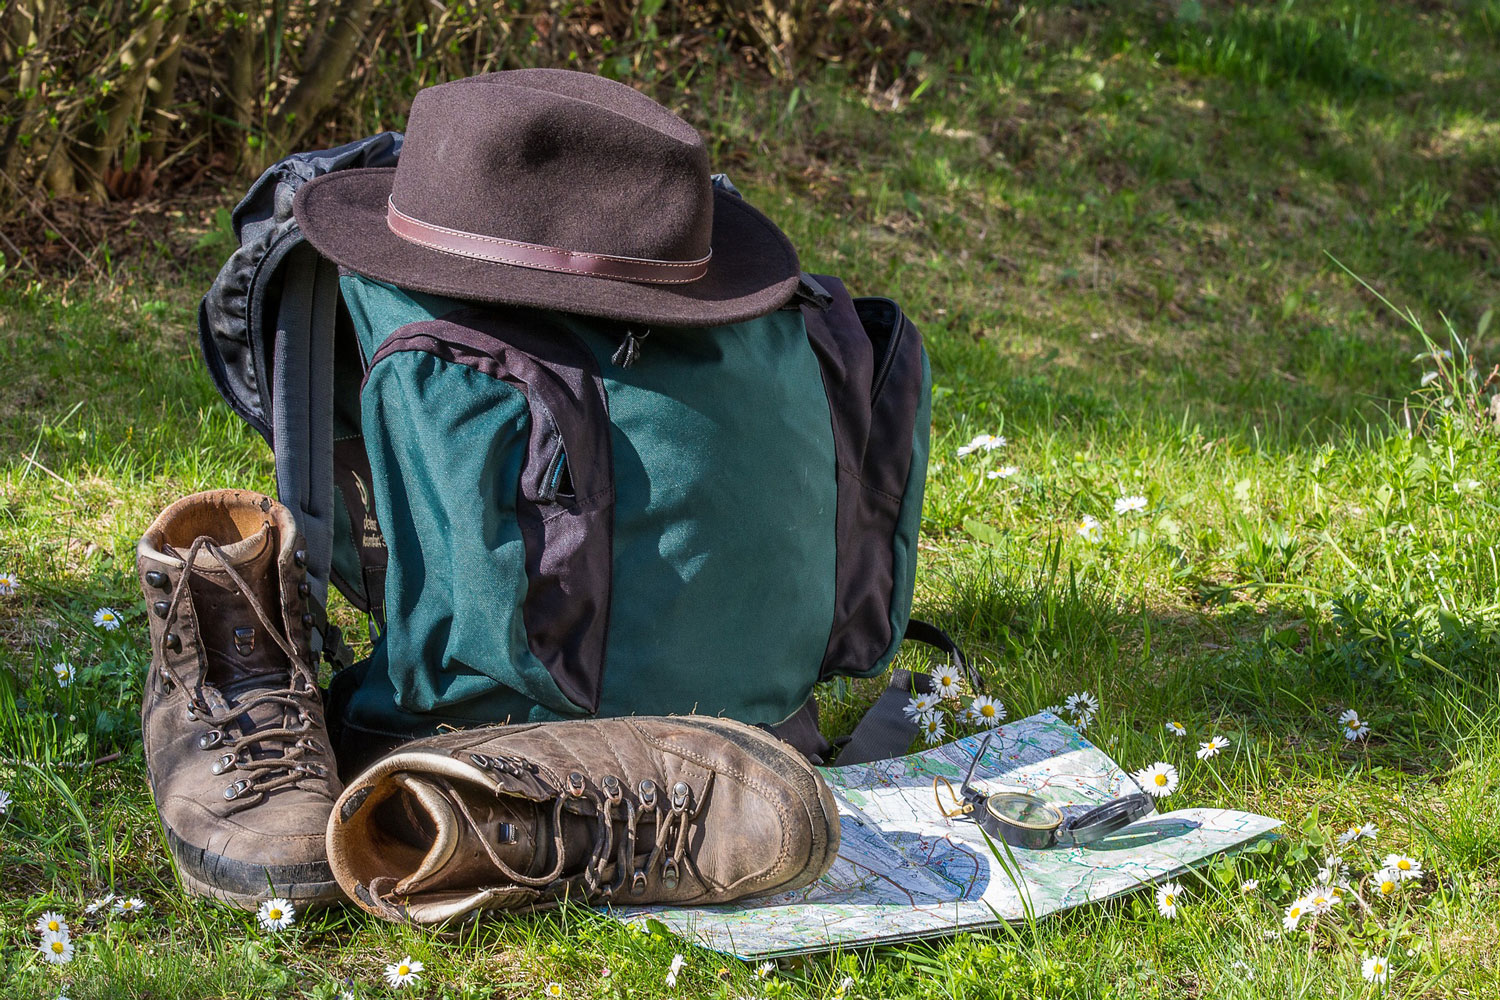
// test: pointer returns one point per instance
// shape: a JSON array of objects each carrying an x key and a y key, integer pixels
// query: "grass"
[{"x": 1117, "y": 232}]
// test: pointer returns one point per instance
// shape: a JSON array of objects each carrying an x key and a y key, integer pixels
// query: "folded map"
[{"x": 906, "y": 871}]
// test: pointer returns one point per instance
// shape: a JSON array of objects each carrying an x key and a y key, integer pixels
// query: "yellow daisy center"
[
  {"x": 1161, "y": 780},
  {"x": 1169, "y": 899},
  {"x": 1295, "y": 911},
  {"x": 1320, "y": 899},
  {"x": 402, "y": 970},
  {"x": 1404, "y": 865},
  {"x": 53, "y": 925},
  {"x": 1387, "y": 887},
  {"x": 275, "y": 914},
  {"x": 987, "y": 710},
  {"x": 57, "y": 947}
]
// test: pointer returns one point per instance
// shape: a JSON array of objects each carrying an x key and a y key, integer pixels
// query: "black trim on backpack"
[{"x": 861, "y": 344}]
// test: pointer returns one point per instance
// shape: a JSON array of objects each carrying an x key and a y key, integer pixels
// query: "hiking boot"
[
  {"x": 682, "y": 810},
  {"x": 232, "y": 721}
]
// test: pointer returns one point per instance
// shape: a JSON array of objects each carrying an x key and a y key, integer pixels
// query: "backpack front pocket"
[{"x": 491, "y": 434}]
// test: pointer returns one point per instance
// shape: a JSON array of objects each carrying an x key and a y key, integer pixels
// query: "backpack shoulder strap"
[{"x": 267, "y": 328}]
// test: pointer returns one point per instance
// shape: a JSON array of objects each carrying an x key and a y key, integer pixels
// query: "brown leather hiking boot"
[
  {"x": 684, "y": 810},
  {"x": 232, "y": 721}
]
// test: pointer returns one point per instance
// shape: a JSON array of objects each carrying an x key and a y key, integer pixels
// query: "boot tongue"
[
  {"x": 234, "y": 639},
  {"x": 515, "y": 829}
]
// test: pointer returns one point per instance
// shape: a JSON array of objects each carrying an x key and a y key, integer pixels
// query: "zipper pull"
[{"x": 629, "y": 350}]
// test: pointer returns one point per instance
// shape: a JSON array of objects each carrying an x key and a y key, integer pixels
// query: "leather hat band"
[{"x": 542, "y": 258}]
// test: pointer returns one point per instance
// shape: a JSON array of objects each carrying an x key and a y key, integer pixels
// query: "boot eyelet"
[
  {"x": 669, "y": 874},
  {"x": 479, "y": 760},
  {"x": 157, "y": 579},
  {"x": 300, "y": 558},
  {"x": 611, "y": 788},
  {"x": 575, "y": 785},
  {"x": 172, "y": 641},
  {"x": 638, "y": 883},
  {"x": 224, "y": 763},
  {"x": 210, "y": 739},
  {"x": 680, "y": 793},
  {"x": 307, "y": 621},
  {"x": 160, "y": 607},
  {"x": 303, "y": 589},
  {"x": 648, "y": 793},
  {"x": 234, "y": 791}
]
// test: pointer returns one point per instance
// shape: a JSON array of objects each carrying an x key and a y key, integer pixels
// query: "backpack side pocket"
[{"x": 875, "y": 377}]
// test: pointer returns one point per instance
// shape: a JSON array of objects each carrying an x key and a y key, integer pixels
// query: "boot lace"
[
  {"x": 671, "y": 814},
  {"x": 297, "y": 742}
]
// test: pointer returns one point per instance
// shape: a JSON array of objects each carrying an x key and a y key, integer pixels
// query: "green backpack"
[{"x": 550, "y": 516}]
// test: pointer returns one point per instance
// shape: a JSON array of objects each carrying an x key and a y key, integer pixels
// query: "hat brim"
[{"x": 753, "y": 270}]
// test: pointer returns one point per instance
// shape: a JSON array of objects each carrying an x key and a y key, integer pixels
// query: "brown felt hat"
[{"x": 557, "y": 190}]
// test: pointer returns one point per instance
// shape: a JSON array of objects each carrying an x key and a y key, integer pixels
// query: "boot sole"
[{"x": 245, "y": 885}]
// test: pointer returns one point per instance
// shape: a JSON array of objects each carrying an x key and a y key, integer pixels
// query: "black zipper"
[{"x": 889, "y": 360}]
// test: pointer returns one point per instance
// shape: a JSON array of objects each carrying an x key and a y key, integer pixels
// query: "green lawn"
[{"x": 1119, "y": 234}]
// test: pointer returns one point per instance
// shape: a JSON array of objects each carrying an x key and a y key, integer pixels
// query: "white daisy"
[
  {"x": 764, "y": 969},
  {"x": 1126, "y": 505},
  {"x": 845, "y": 985},
  {"x": 1004, "y": 472},
  {"x": 4, "y": 802},
  {"x": 56, "y": 948},
  {"x": 1056, "y": 710},
  {"x": 1322, "y": 898},
  {"x": 553, "y": 990},
  {"x": 1357, "y": 730},
  {"x": 1373, "y": 969},
  {"x": 986, "y": 711},
  {"x": 1366, "y": 831},
  {"x": 1176, "y": 729},
  {"x": 1166, "y": 900},
  {"x": 64, "y": 672},
  {"x": 402, "y": 973},
  {"x": 1404, "y": 866},
  {"x": 1298, "y": 909},
  {"x": 921, "y": 706},
  {"x": 107, "y": 619},
  {"x": 946, "y": 682},
  {"x": 129, "y": 907},
  {"x": 1387, "y": 881},
  {"x": 1239, "y": 965},
  {"x": 99, "y": 904},
  {"x": 9, "y": 583},
  {"x": 982, "y": 442},
  {"x": 277, "y": 914},
  {"x": 1159, "y": 780},
  {"x": 1212, "y": 747},
  {"x": 676, "y": 967},
  {"x": 51, "y": 923},
  {"x": 1081, "y": 703},
  {"x": 1083, "y": 721},
  {"x": 1250, "y": 885},
  {"x": 1089, "y": 530},
  {"x": 933, "y": 730}
]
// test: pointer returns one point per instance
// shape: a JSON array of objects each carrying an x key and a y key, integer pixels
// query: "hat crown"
[{"x": 557, "y": 159}]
